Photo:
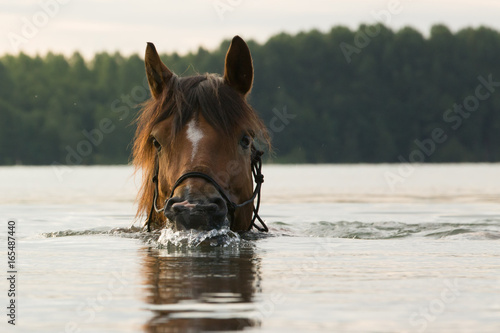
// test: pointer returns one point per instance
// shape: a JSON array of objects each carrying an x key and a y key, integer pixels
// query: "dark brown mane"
[{"x": 224, "y": 108}]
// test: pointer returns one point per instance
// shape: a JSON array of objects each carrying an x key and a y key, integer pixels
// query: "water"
[{"x": 349, "y": 250}]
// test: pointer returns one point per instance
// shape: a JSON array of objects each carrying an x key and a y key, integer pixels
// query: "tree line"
[{"x": 370, "y": 95}]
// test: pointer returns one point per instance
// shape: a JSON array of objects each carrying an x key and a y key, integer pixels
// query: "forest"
[{"x": 371, "y": 95}]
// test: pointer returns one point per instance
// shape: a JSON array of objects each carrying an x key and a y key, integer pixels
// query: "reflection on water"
[{"x": 202, "y": 288}]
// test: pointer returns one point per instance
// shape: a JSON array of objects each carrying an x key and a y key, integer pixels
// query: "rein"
[{"x": 256, "y": 164}]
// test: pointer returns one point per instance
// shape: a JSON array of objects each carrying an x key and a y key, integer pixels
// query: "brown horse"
[{"x": 195, "y": 145}]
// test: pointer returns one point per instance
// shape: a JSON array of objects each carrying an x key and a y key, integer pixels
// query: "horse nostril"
[
  {"x": 218, "y": 205},
  {"x": 210, "y": 208},
  {"x": 171, "y": 202}
]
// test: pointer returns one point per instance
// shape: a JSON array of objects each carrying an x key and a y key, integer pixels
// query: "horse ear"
[
  {"x": 238, "y": 71},
  {"x": 158, "y": 74}
]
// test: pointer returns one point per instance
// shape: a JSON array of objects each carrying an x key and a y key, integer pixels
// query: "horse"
[{"x": 196, "y": 143}]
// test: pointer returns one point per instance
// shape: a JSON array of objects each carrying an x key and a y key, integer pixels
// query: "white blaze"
[{"x": 194, "y": 134}]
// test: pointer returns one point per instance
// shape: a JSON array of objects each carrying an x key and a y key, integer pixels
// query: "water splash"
[
  {"x": 195, "y": 238},
  {"x": 161, "y": 239}
]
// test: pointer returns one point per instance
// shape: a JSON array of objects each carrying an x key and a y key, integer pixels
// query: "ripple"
[
  {"x": 482, "y": 230},
  {"x": 131, "y": 232},
  {"x": 488, "y": 229},
  {"x": 160, "y": 238}
]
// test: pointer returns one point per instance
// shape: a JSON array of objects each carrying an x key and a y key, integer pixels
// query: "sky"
[{"x": 90, "y": 26}]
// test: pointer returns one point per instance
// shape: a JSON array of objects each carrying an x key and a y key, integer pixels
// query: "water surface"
[{"x": 348, "y": 251}]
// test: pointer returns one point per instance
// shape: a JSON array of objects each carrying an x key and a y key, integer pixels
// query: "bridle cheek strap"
[{"x": 256, "y": 164}]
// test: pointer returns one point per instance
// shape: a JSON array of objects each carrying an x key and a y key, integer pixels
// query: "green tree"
[{"x": 394, "y": 90}]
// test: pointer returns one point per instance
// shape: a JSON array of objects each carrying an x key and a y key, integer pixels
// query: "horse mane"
[{"x": 222, "y": 106}]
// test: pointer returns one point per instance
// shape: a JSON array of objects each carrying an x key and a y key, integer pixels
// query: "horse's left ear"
[
  {"x": 238, "y": 71},
  {"x": 158, "y": 74}
]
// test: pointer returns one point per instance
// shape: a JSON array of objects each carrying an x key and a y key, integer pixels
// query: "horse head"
[{"x": 195, "y": 143}]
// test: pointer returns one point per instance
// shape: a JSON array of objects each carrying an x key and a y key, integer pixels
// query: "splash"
[
  {"x": 195, "y": 238},
  {"x": 161, "y": 239}
]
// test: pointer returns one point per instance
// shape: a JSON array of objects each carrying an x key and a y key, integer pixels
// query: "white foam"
[{"x": 193, "y": 238}]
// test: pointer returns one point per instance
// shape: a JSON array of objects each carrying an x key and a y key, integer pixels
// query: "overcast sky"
[{"x": 63, "y": 26}]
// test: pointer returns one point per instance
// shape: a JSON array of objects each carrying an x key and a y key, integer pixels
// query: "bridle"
[{"x": 256, "y": 164}]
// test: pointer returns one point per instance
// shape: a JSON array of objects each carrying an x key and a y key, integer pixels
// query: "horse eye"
[
  {"x": 245, "y": 142},
  {"x": 156, "y": 144}
]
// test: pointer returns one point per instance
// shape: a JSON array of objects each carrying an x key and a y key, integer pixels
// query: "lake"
[{"x": 351, "y": 248}]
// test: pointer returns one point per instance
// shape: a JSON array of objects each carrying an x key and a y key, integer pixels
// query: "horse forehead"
[
  {"x": 205, "y": 140},
  {"x": 194, "y": 134}
]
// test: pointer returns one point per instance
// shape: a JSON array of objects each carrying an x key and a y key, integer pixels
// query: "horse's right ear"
[{"x": 158, "y": 74}]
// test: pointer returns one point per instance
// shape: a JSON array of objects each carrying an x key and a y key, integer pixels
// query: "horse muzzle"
[
  {"x": 186, "y": 212},
  {"x": 212, "y": 212}
]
